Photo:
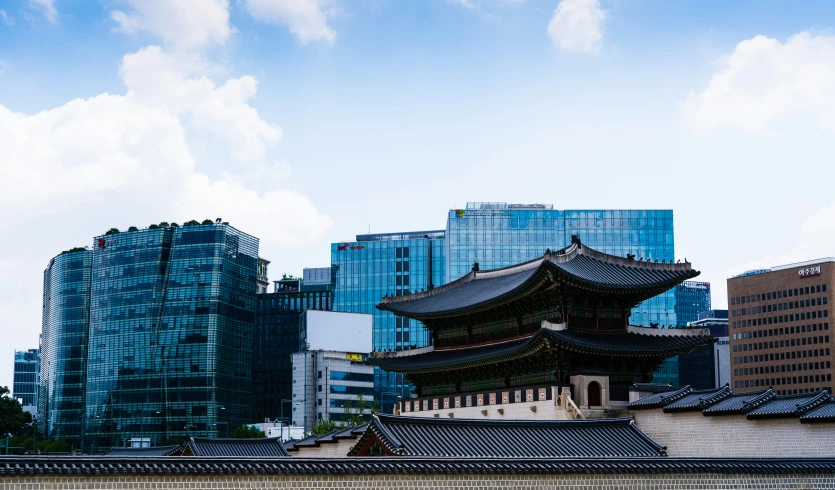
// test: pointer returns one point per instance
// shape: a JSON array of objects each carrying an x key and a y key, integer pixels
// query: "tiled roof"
[
  {"x": 627, "y": 344},
  {"x": 144, "y": 451},
  {"x": 697, "y": 400},
  {"x": 817, "y": 406},
  {"x": 822, "y": 413},
  {"x": 91, "y": 467},
  {"x": 466, "y": 438},
  {"x": 651, "y": 387},
  {"x": 331, "y": 437},
  {"x": 789, "y": 405},
  {"x": 577, "y": 265},
  {"x": 243, "y": 448}
]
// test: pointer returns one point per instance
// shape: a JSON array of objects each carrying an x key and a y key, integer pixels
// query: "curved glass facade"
[
  {"x": 65, "y": 322},
  {"x": 170, "y": 334}
]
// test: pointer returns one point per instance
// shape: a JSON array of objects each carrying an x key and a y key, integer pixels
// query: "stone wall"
[
  {"x": 691, "y": 434},
  {"x": 554, "y": 481}
]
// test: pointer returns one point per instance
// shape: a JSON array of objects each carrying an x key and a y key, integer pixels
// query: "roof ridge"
[
  {"x": 398, "y": 419},
  {"x": 820, "y": 398}
]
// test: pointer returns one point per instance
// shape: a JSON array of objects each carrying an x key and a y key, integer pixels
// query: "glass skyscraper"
[
  {"x": 26, "y": 375},
  {"x": 692, "y": 298},
  {"x": 389, "y": 263},
  {"x": 171, "y": 327},
  {"x": 63, "y": 345}
]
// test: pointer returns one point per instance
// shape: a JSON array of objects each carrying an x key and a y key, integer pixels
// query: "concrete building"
[
  {"x": 779, "y": 333},
  {"x": 330, "y": 385},
  {"x": 262, "y": 278}
]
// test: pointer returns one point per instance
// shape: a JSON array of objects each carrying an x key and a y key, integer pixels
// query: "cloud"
[
  {"x": 577, "y": 26},
  {"x": 816, "y": 236},
  {"x": 132, "y": 156},
  {"x": 182, "y": 24},
  {"x": 160, "y": 78},
  {"x": 9, "y": 21},
  {"x": 764, "y": 81},
  {"x": 48, "y": 8},
  {"x": 307, "y": 19},
  {"x": 467, "y": 4}
]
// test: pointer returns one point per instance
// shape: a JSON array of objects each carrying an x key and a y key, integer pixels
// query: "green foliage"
[
  {"x": 355, "y": 414},
  {"x": 133, "y": 228},
  {"x": 191, "y": 222},
  {"x": 111, "y": 231},
  {"x": 245, "y": 432},
  {"x": 74, "y": 249},
  {"x": 153, "y": 227},
  {"x": 164, "y": 224},
  {"x": 324, "y": 425},
  {"x": 13, "y": 420},
  {"x": 174, "y": 225},
  {"x": 207, "y": 222},
  {"x": 288, "y": 277}
]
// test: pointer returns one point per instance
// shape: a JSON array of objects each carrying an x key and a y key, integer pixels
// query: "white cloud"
[
  {"x": 48, "y": 8},
  {"x": 816, "y": 236},
  {"x": 157, "y": 77},
  {"x": 182, "y": 24},
  {"x": 467, "y": 4},
  {"x": 6, "y": 19},
  {"x": 765, "y": 80},
  {"x": 577, "y": 26},
  {"x": 307, "y": 19}
]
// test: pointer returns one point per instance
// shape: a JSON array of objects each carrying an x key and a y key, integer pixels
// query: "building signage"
[
  {"x": 347, "y": 246},
  {"x": 810, "y": 271},
  {"x": 526, "y": 206},
  {"x": 353, "y": 357},
  {"x": 462, "y": 213}
]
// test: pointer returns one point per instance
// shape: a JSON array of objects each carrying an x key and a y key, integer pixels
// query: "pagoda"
[{"x": 537, "y": 339}]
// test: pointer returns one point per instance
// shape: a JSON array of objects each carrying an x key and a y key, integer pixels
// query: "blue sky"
[{"x": 305, "y": 121}]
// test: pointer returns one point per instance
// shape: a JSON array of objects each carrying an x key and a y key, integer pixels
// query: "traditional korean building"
[{"x": 538, "y": 339}]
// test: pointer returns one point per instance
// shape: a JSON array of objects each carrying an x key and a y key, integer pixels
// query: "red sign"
[
  {"x": 101, "y": 242},
  {"x": 810, "y": 271},
  {"x": 346, "y": 246}
]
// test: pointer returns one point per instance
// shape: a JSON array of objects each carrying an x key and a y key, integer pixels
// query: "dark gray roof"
[
  {"x": 789, "y": 405},
  {"x": 825, "y": 412},
  {"x": 651, "y": 387},
  {"x": 92, "y": 467},
  {"x": 143, "y": 451},
  {"x": 577, "y": 265},
  {"x": 466, "y": 438},
  {"x": 244, "y": 448},
  {"x": 657, "y": 400},
  {"x": 333, "y": 436},
  {"x": 697, "y": 400},
  {"x": 755, "y": 405},
  {"x": 627, "y": 344}
]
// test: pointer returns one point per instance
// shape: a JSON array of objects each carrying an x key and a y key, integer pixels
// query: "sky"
[{"x": 305, "y": 122}]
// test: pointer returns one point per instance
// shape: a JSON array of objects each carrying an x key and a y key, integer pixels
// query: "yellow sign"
[{"x": 353, "y": 357}]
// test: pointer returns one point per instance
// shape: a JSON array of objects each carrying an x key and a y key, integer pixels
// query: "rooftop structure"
[
  {"x": 239, "y": 448},
  {"x": 549, "y": 320},
  {"x": 388, "y": 435}
]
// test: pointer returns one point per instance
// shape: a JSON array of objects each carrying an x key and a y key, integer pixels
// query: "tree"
[
  {"x": 13, "y": 420},
  {"x": 133, "y": 228},
  {"x": 207, "y": 222},
  {"x": 248, "y": 432},
  {"x": 355, "y": 414},
  {"x": 324, "y": 426},
  {"x": 163, "y": 224}
]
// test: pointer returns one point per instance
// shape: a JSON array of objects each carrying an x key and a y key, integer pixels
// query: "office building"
[
  {"x": 26, "y": 375},
  {"x": 279, "y": 317},
  {"x": 377, "y": 265},
  {"x": 708, "y": 367},
  {"x": 63, "y": 345},
  {"x": 330, "y": 385},
  {"x": 692, "y": 298},
  {"x": 170, "y": 333},
  {"x": 780, "y": 336}
]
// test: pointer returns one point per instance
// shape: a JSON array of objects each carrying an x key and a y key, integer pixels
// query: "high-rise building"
[
  {"x": 692, "y": 298},
  {"x": 377, "y": 265},
  {"x": 262, "y": 277},
  {"x": 63, "y": 345},
  {"x": 278, "y": 323},
  {"x": 171, "y": 323},
  {"x": 780, "y": 335},
  {"x": 708, "y": 367},
  {"x": 26, "y": 375}
]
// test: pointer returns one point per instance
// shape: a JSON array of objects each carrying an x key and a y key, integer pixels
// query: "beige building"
[{"x": 780, "y": 328}]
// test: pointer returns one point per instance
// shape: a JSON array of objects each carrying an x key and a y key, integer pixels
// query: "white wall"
[{"x": 346, "y": 332}]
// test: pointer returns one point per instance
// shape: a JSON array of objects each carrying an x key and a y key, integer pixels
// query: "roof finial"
[
  {"x": 575, "y": 239},
  {"x": 547, "y": 251},
  {"x": 475, "y": 266}
]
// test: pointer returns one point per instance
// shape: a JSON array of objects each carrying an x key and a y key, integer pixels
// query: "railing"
[{"x": 567, "y": 404}]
